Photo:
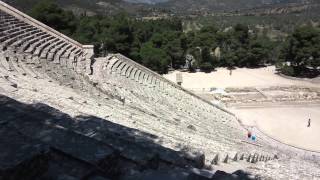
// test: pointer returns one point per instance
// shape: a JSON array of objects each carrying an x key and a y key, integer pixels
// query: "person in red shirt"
[{"x": 249, "y": 134}]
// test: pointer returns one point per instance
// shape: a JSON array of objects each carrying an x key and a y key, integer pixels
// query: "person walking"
[{"x": 309, "y": 122}]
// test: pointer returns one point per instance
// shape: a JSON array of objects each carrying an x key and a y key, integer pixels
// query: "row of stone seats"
[
  {"x": 118, "y": 71},
  {"x": 118, "y": 81},
  {"x": 15, "y": 66},
  {"x": 251, "y": 158},
  {"x": 112, "y": 150},
  {"x": 33, "y": 43},
  {"x": 30, "y": 48},
  {"x": 167, "y": 110},
  {"x": 122, "y": 84},
  {"x": 144, "y": 81},
  {"x": 88, "y": 127},
  {"x": 121, "y": 66},
  {"x": 156, "y": 91},
  {"x": 21, "y": 52}
]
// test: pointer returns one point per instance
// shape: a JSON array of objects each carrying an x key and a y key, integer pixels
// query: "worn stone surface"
[{"x": 21, "y": 157}]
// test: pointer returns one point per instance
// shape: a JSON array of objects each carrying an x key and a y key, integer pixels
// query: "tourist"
[
  {"x": 309, "y": 122},
  {"x": 253, "y": 138},
  {"x": 249, "y": 134}
]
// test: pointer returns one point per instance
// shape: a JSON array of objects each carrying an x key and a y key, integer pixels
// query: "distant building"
[
  {"x": 217, "y": 52},
  {"x": 179, "y": 79},
  {"x": 189, "y": 61}
]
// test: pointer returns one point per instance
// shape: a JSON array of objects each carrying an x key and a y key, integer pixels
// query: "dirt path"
[{"x": 243, "y": 77}]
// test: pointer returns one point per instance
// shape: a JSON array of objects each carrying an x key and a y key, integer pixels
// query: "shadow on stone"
[
  {"x": 238, "y": 175},
  {"x": 81, "y": 147}
]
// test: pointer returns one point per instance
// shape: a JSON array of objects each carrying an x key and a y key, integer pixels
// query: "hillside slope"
[{"x": 147, "y": 7}]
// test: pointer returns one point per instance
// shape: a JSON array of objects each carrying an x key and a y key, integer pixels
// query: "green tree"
[
  {"x": 208, "y": 62},
  {"x": 206, "y": 37},
  {"x": 154, "y": 58},
  {"x": 87, "y": 30},
  {"x": 173, "y": 47},
  {"x": 302, "y": 50},
  {"x": 241, "y": 32},
  {"x": 52, "y": 15},
  {"x": 118, "y": 37},
  {"x": 258, "y": 52}
]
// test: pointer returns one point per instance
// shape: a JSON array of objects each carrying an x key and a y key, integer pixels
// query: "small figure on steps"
[
  {"x": 249, "y": 134},
  {"x": 309, "y": 122},
  {"x": 253, "y": 138}
]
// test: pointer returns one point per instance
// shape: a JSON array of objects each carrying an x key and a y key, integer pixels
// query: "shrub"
[
  {"x": 206, "y": 67},
  {"x": 287, "y": 70}
]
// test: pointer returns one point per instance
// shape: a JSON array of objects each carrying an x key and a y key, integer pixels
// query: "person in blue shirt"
[{"x": 253, "y": 138}]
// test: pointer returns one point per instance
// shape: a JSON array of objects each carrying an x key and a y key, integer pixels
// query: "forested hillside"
[
  {"x": 226, "y": 5},
  {"x": 175, "y": 7},
  {"x": 77, "y": 6},
  {"x": 162, "y": 44}
]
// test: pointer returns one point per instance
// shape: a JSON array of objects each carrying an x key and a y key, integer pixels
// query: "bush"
[
  {"x": 154, "y": 58},
  {"x": 206, "y": 67},
  {"x": 287, "y": 70}
]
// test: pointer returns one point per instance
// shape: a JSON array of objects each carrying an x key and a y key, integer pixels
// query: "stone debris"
[
  {"x": 226, "y": 159},
  {"x": 249, "y": 158},
  {"x": 215, "y": 160},
  {"x": 14, "y": 85},
  {"x": 191, "y": 127},
  {"x": 242, "y": 157},
  {"x": 235, "y": 157}
]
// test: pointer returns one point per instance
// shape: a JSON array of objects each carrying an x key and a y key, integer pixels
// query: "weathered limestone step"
[
  {"x": 7, "y": 86},
  {"x": 57, "y": 58},
  {"x": 5, "y": 40},
  {"x": 22, "y": 25},
  {"x": 20, "y": 157},
  {"x": 32, "y": 37},
  {"x": 45, "y": 52},
  {"x": 126, "y": 144},
  {"x": 31, "y": 124},
  {"x": 28, "y": 70},
  {"x": 22, "y": 34},
  {"x": 36, "y": 47},
  {"x": 4, "y": 62},
  {"x": 31, "y": 40},
  {"x": 65, "y": 167},
  {"x": 14, "y": 63}
]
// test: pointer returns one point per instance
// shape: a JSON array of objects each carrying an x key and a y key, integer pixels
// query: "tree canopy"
[
  {"x": 301, "y": 52},
  {"x": 162, "y": 43}
]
